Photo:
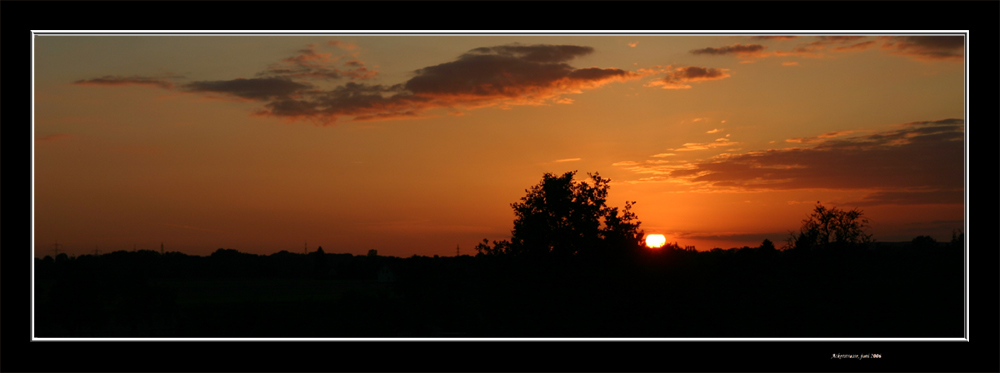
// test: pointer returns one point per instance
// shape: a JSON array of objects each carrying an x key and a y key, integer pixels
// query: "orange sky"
[{"x": 417, "y": 144}]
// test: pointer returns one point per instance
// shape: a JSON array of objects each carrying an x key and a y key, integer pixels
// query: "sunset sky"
[{"x": 416, "y": 144}]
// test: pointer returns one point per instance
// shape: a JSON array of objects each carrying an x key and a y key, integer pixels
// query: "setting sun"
[{"x": 655, "y": 241}]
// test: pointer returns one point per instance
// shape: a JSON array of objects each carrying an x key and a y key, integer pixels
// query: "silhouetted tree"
[
  {"x": 831, "y": 227},
  {"x": 498, "y": 248},
  {"x": 561, "y": 217},
  {"x": 767, "y": 246}
]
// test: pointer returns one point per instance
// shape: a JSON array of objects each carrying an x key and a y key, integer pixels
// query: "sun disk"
[{"x": 655, "y": 241}]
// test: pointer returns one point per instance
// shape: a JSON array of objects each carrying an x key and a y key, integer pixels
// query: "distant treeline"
[
  {"x": 221, "y": 263},
  {"x": 885, "y": 290},
  {"x": 230, "y": 263}
]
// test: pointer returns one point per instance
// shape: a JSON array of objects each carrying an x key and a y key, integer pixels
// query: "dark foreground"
[{"x": 905, "y": 291}]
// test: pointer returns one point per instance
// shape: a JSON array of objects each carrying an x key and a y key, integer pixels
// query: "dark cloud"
[
  {"x": 351, "y": 99},
  {"x": 918, "y": 47},
  {"x": 595, "y": 75},
  {"x": 738, "y": 49},
  {"x": 679, "y": 77},
  {"x": 500, "y": 75},
  {"x": 696, "y": 73},
  {"x": 114, "y": 80},
  {"x": 933, "y": 42},
  {"x": 932, "y": 48},
  {"x": 921, "y": 163},
  {"x": 511, "y": 74},
  {"x": 837, "y": 43},
  {"x": 951, "y": 121},
  {"x": 482, "y": 77},
  {"x": 856, "y": 47},
  {"x": 254, "y": 89},
  {"x": 811, "y": 49},
  {"x": 536, "y": 53}
]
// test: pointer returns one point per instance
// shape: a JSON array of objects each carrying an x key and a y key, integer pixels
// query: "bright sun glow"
[{"x": 655, "y": 241}]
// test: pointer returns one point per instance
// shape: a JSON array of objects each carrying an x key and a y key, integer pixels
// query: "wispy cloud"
[
  {"x": 311, "y": 64},
  {"x": 741, "y": 50},
  {"x": 942, "y": 122},
  {"x": 679, "y": 77},
  {"x": 308, "y": 63},
  {"x": 567, "y": 160},
  {"x": 723, "y": 141},
  {"x": 856, "y": 47},
  {"x": 625, "y": 163},
  {"x": 114, "y": 80},
  {"x": 912, "y": 197},
  {"x": 816, "y": 48},
  {"x": 927, "y": 48},
  {"x": 342, "y": 45},
  {"x": 714, "y": 131},
  {"x": 806, "y": 140},
  {"x": 773, "y": 37}
]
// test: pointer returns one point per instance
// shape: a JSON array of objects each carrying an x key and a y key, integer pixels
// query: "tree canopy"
[
  {"x": 561, "y": 217},
  {"x": 831, "y": 227}
]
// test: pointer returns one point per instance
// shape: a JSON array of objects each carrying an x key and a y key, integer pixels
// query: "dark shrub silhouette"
[{"x": 831, "y": 228}]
